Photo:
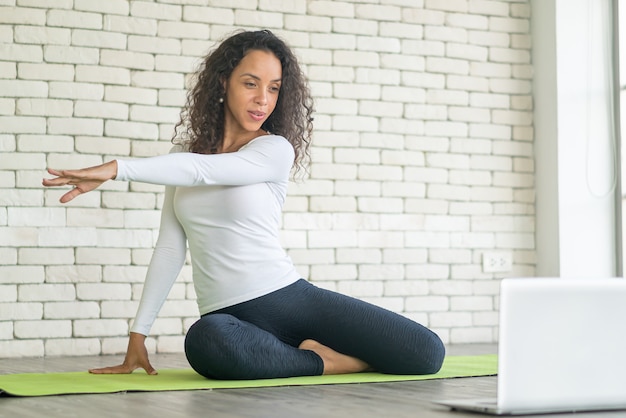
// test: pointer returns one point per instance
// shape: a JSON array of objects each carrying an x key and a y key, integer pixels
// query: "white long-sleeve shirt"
[{"x": 227, "y": 207}]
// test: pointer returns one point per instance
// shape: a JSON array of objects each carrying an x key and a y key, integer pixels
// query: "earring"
[{"x": 221, "y": 100}]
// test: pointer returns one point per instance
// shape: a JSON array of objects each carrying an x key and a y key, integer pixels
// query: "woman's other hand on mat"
[
  {"x": 84, "y": 180},
  {"x": 136, "y": 358}
]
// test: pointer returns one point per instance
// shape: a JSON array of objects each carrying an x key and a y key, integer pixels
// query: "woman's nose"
[{"x": 261, "y": 98}]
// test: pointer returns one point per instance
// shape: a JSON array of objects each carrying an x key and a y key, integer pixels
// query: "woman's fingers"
[
  {"x": 70, "y": 195},
  {"x": 63, "y": 178},
  {"x": 119, "y": 369},
  {"x": 59, "y": 180},
  {"x": 79, "y": 188},
  {"x": 55, "y": 172},
  {"x": 149, "y": 369},
  {"x": 84, "y": 180},
  {"x": 123, "y": 369},
  {"x": 98, "y": 174}
]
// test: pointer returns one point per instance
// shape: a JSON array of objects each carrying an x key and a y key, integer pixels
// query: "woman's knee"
[
  {"x": 437, "y": 354},
  {"x": 209, "y": 328},
  {"x": 432, "y": 354},
  {"x": 425, "y": 356},
  {"x": 206, "y": 343}
]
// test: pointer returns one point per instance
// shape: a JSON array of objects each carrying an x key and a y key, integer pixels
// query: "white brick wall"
[{"x": 422, "y": 158}]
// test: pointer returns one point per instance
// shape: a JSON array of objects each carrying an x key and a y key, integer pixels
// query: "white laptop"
[{"x": 562, "y": 347}]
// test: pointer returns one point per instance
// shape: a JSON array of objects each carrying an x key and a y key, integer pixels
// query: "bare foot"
[{"x": 334, "y": 362}]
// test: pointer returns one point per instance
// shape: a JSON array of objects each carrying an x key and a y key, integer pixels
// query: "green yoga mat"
[{"x": 43, "y": 384}]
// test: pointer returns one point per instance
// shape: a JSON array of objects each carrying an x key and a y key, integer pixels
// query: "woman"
[{"x": 246, "y": 124}]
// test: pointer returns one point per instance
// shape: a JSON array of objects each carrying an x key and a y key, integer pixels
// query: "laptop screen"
[{"x": 562, "y": 343}]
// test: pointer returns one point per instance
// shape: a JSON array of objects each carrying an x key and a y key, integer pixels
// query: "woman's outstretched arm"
[{"x": 266, "y": 159}]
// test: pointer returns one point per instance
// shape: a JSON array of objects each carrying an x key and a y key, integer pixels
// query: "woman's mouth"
[{"x": 257, "y": 116}]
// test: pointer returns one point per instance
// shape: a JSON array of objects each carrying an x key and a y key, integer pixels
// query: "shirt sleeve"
[
  {"x": 264, "y": 159},
  {"x": 167, "y": 260}
]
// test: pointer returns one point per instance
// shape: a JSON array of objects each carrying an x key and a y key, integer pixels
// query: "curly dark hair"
[{"x": 201, "y": 124}]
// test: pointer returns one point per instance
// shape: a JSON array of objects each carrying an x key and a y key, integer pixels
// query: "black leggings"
[{"x": 258, "y": 339}]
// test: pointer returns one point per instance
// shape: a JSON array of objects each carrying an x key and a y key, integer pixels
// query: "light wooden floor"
[{"x": 400, "y": 399}]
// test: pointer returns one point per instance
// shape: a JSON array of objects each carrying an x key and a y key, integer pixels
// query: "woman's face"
[{"x": 251, "y": 93}]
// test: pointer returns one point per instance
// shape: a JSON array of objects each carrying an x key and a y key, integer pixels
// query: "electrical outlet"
[{"x": 497, "y": 261}]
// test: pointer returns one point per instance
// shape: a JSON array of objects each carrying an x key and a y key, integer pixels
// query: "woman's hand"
[
  {"x": 136, "y": 358},
  {"x": 83, "y": 180}
]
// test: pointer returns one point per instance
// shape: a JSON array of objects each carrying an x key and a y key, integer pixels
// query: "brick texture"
[{"x": 422, "y": 158}]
